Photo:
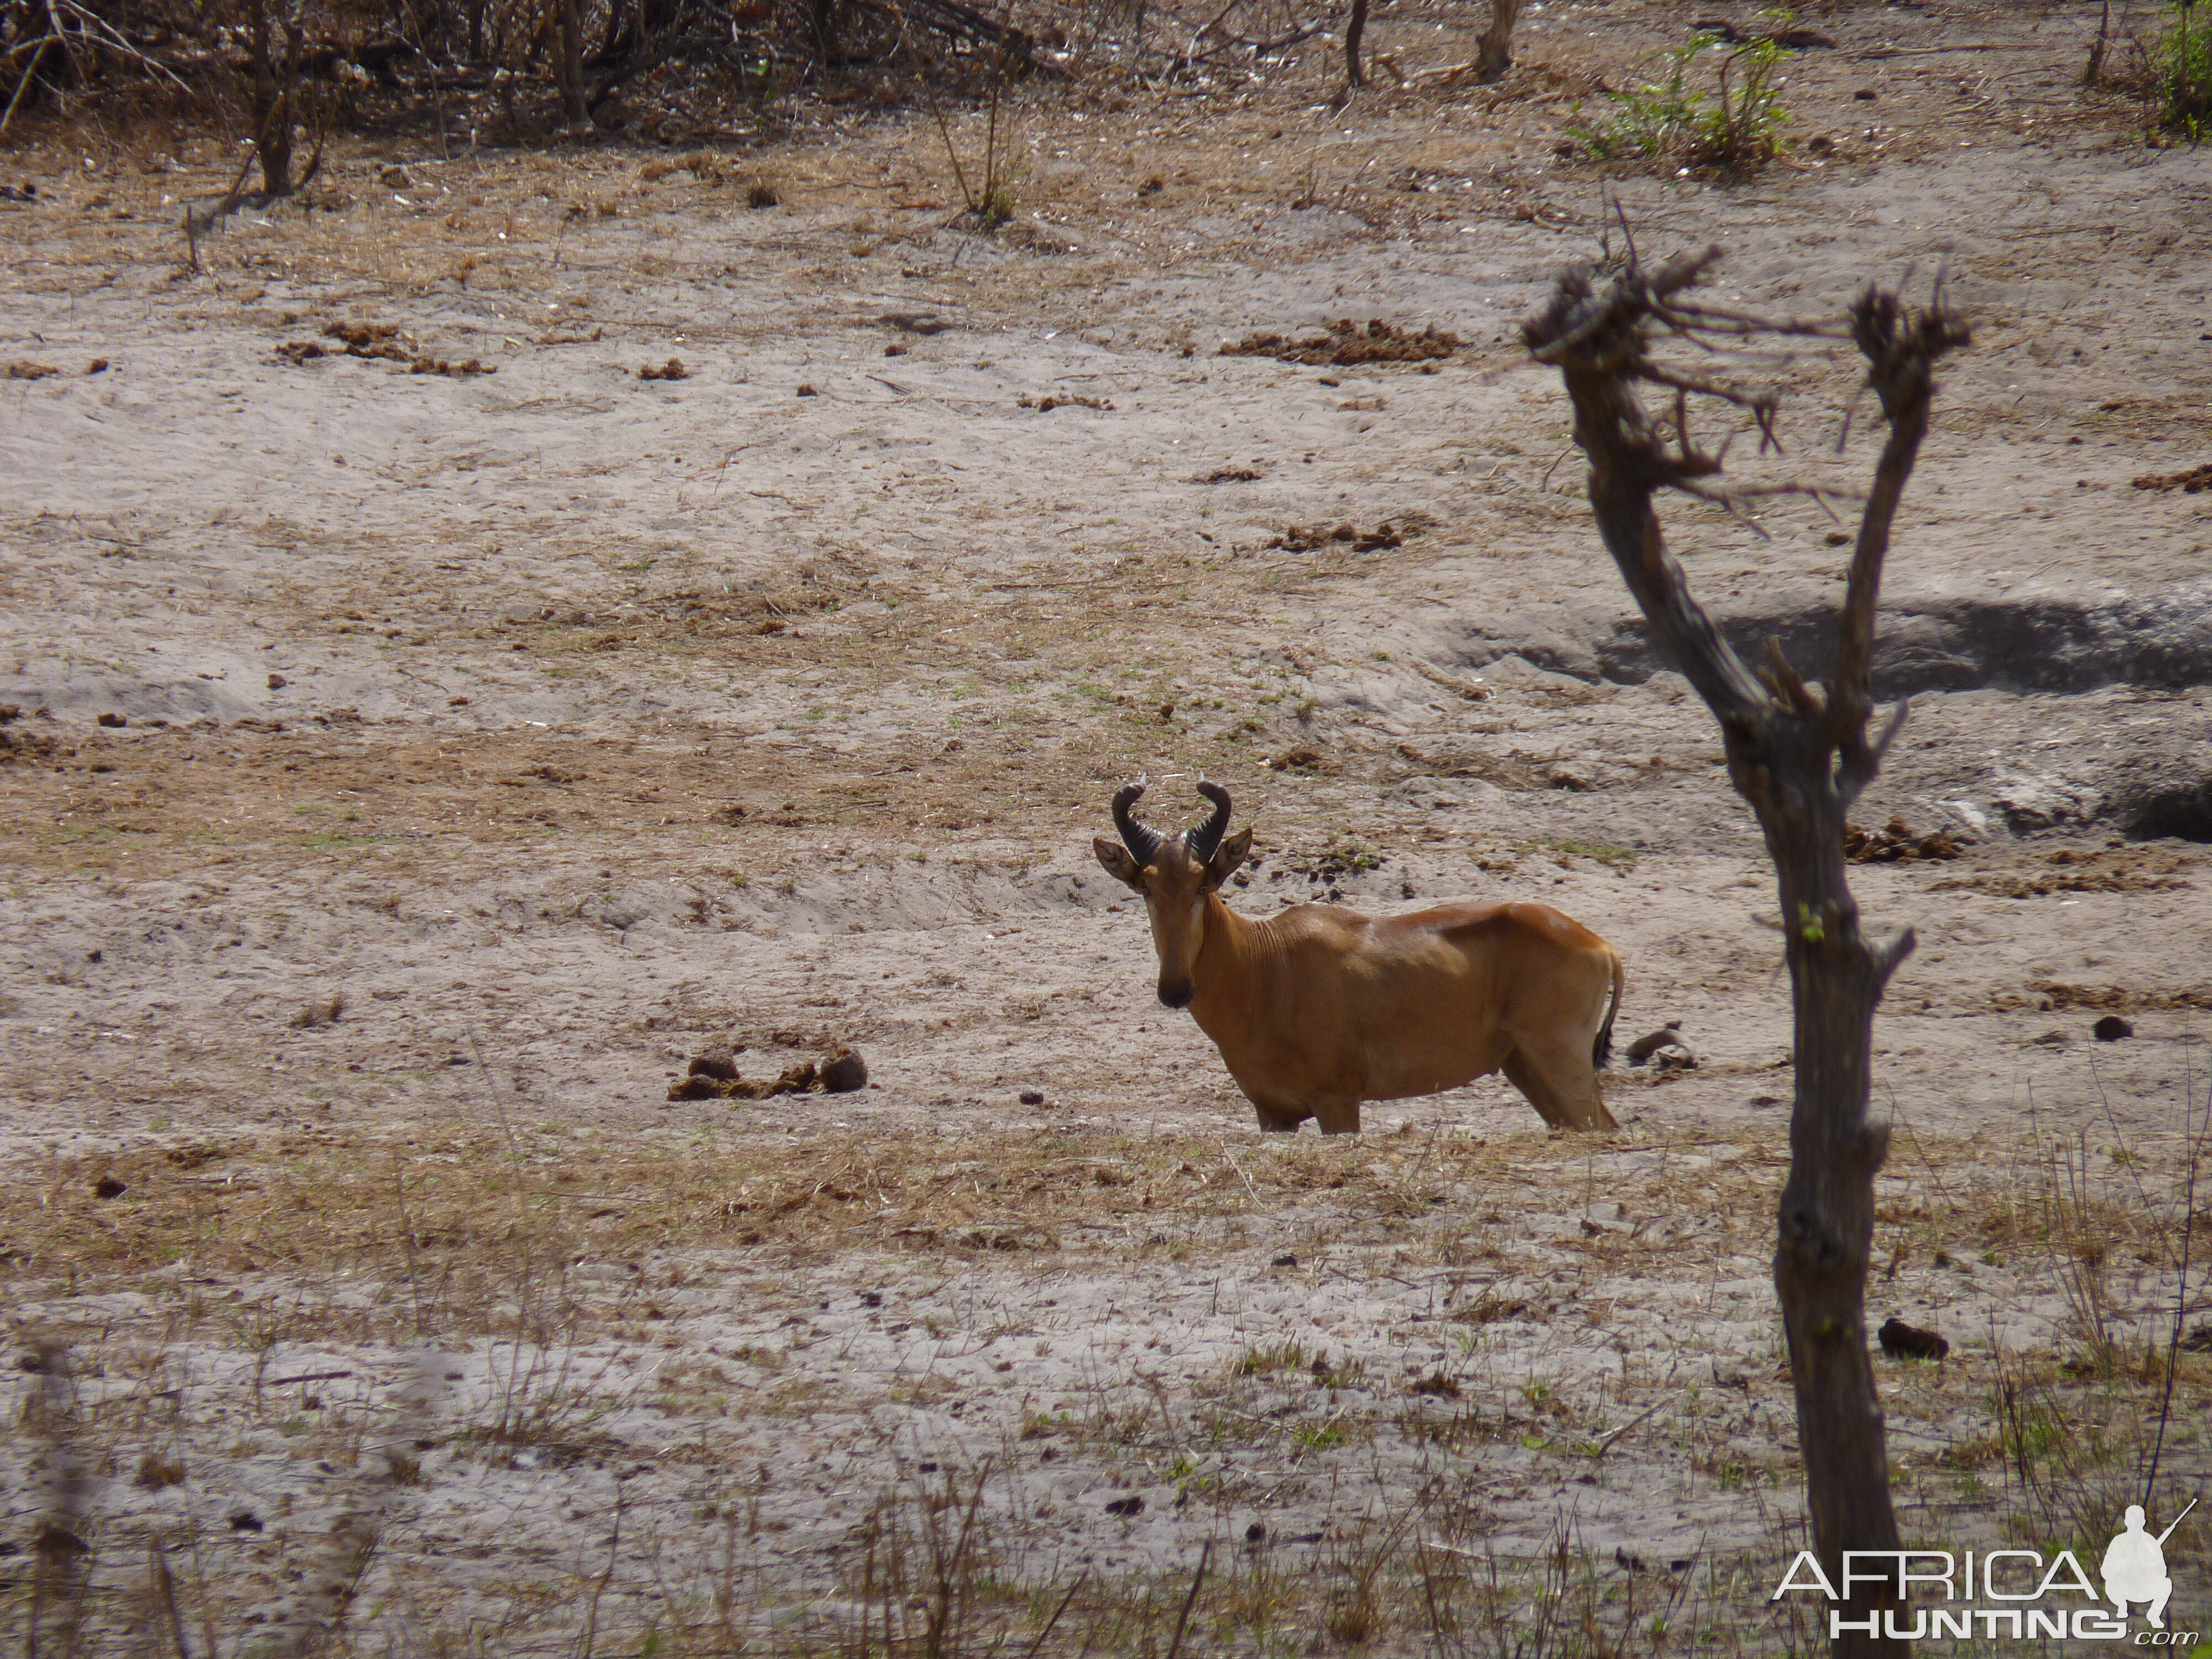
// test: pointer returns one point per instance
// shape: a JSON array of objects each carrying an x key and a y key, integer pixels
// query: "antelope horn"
[
  {"x": 1142, "y": 841},
  {"x": 1206, "y": 840}
]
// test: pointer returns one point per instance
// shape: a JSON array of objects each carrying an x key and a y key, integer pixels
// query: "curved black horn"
[
  {"x": 1140, "y": 838},
  {"x": 1204, "y": 841}
]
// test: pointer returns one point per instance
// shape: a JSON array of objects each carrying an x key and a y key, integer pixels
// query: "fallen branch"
[{"x": 1644, "y": 1416}]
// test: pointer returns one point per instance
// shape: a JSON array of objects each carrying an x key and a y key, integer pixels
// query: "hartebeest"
[{"x": 1319, "y": 1008}]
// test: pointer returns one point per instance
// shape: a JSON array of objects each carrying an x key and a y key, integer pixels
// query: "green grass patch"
[{"x": 1266, "y": 1359}]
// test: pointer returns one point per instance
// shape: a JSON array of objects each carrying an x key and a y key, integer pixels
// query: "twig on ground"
[{"x": 1204, "y": 1554}]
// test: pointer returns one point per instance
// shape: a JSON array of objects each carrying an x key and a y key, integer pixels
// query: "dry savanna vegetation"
[{"x": 657, "y": 537}]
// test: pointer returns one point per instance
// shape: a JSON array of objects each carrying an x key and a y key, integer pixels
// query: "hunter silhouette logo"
[
  {"x": 2000, "y": 1595},
  {"x": 2135, "y": 1567}
]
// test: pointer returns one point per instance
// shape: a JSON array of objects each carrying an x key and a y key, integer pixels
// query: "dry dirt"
[{"x": 411, "y": 770}]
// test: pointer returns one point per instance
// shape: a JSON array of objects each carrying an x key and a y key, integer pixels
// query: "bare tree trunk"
[
  {"x": 1352, "y": 31},
  {"x": 1493, "y": 50},
  {"x": 571, "y": 62},
  {"x": 825, "y": 30},
  {"x": 276, "y": 88},
  {"x": 1800, "y": 758}
]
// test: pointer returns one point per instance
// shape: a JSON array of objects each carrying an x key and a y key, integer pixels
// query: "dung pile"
[
  {"x": 1897, "y": 844},
  {"x": 714, "y": 1076},
  {"x": 1348, "y": 344}
]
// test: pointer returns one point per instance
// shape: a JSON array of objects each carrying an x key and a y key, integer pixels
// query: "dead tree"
[
  {"x": 276, "y": 39},
  {"x": 1493, "y": 48},
  {"x": 823, "y": 16},
  {"x": 1800, "y": 755},
  {"x": 570, "y": 45}
]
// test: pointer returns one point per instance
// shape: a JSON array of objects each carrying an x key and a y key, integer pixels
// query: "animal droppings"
[
  {"x": 1902, "y": 1341},
  {"x": 1897, "y": 844},
  {"x": 2190, "y": 482},
  {"x": 1256, "y": 1533},
  {"x": 1286, "y": 1259},
  {"x": 23, "y": 369},
  {"x": 843, "y": 1072},
  {"x": 2111, "y": 1029},
  {"x": 1032, "y": 1097},
  {"x": 1062, "y": 400},
  {"x": 245, "y": 1521},
  {"x": 1126, "y": 1508},
  {"x": 673, "y": 369},
  {"x": 1349, "y": 343},
  {"x": 1436, "y": 1386},
  {"x": 1308, "y": 539},
  {"x": 108, "y": 1187},
  {"x": 714, "y": 1076}
]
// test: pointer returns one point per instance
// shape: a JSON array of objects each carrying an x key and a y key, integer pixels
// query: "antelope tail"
[{"x": 1602, "y": 1050}]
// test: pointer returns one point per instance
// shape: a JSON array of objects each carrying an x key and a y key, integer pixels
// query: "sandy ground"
[{"x": 561, "y": 724}]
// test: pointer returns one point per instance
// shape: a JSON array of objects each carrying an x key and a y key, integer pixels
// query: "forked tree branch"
[{"x": 1901, "y": 352}]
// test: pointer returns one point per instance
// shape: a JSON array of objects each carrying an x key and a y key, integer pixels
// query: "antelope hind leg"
[
  {"x": 1562, "y": 1087},
  {"x": 1278, "y": 1123},
  {"x": 1339, "y": 1117}
]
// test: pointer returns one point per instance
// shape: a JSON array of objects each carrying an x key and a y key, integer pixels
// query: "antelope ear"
[
  {"x": 1226, "y": 857},
  {"x": 1117, "y": 863}
]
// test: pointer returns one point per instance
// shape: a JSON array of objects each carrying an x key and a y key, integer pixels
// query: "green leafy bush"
[
  {"x": 1732, "y": 127},
  {"x": 2183, "y": 64}
]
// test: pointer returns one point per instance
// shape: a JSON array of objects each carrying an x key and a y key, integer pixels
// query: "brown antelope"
[{"x": 1319, "y": 1008}]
